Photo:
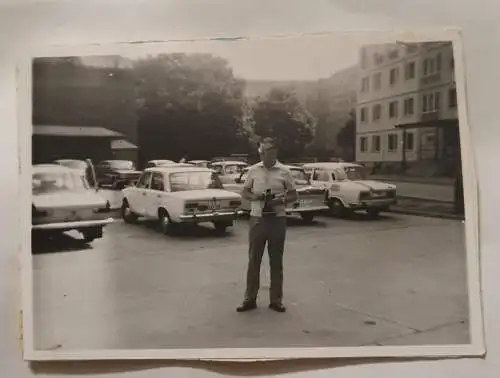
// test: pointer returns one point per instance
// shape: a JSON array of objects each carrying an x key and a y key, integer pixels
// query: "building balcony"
[
  {"x": 431, "y": 79},
  {"x": 430, "y": 116}
]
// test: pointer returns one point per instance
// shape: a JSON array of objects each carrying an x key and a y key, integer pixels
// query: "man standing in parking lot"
[{"x": 269, "y": 187}]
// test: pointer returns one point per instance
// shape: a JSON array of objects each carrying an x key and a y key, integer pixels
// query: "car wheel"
[
  {"x": 373, "y": 213},
  {"x": 337, "y": 208},
  {"x": 91, "y": 234},
  {"x": 165, "y": 223},
  {"x": 307, "y": 217},
  {"x": 221, "y": 227},
  {"x": 127, "y": 214}
]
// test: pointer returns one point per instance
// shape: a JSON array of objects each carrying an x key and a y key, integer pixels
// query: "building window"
[
  {"x": 377, "y": 81},
  {"x": 392, "y": 142},
  {"x": 376, "y": 143},
  {"x": 410, "y": 71},
  {"x": 393, "y": 54},
  {"x": 393, "y": 109},
  {"x": 452, "y": 98},
  {"x": 430, "y": 102},
  {"x": 363, "y": 115},
  {"x": 364, "y": 59},
  {"x": 410, "y": 141},
  {"x": 365, "y": 84},
  {"x": 378, "y": 58},
  {"x": 411, "y": 48},
  {"x": 394, "y": 74},
  {"x": 409, "y": 106},
  {"x": 428, "y": 66},
  {"x": 438, "y": 62},
  {"x": 377, "y": 112},
  {"x": 363, "y": 142}
]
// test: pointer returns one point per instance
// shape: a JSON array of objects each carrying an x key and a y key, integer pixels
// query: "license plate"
[{"x": 305, "y": 202}]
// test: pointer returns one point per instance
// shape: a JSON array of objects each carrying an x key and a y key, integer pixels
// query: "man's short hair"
[{"x": 269, "y": 141}]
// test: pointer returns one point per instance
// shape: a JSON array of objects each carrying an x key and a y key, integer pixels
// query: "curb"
[
  {"x": 413, "y": 181},
  {"x": 422, "y": 199},
  {"x": 428, "y": 214}
]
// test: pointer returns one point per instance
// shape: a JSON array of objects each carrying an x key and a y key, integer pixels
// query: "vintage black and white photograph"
[{"x": 251, "y": 194}]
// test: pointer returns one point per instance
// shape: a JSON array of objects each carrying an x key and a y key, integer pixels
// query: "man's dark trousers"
[{"x": 270, "y": 230}]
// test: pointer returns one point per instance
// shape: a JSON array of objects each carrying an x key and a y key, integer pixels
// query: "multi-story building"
[{"x": 407, "y": 104}]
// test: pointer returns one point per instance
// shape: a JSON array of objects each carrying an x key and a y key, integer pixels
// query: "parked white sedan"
[
  {"x": 173, "y": 195},
  {"x": 310, "y": 203},
  {"x": 348, "y": 188},
  {"x": 63, "y": 200}
]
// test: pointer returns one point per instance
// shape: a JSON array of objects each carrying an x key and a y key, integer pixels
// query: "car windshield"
[
  {"x": 121, "y": 164},
  {"x": 183, "y": 181},
  {"x": 233, "y": 169},
  {"x": 75, "y": 164},
  {"x": 52, "y": 182},
  {"x": 355, "y": 173},
  {"x": 299, "y": 176}
]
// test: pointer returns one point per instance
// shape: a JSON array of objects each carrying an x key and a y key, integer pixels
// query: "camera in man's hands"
[{"x": 267, "y": 209}]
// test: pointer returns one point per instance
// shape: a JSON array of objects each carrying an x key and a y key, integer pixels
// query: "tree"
[
  {"x": 346, "y": 138},
  {"x": 280, "y": 115},
  {"x": 188, "y": 104}
]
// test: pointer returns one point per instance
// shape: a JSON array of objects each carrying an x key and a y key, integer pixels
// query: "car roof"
[
  {"x": 177, "y": 168},
  {"x": 161, "y": 161},
  {"x": 227, "y": 162},
  {"x": 330, "y": 165},
  {"x": 289, "y": 166},
  {"x": 52, "y": 168}
]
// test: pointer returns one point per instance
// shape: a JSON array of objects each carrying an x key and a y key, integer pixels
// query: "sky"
[{"x": 297, "y": 58}]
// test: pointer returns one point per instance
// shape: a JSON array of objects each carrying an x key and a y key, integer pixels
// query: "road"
[
  {"x": 391, "y": 281},
  {"x": 425, "y": 191}
]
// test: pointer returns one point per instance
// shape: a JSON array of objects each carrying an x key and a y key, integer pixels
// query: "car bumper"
[
  {"x": 307, "y": 209},
  {"x": 72, "y": 225},
  {"x": 373, "y": 204},
  {"x": 208, "y": 217}
]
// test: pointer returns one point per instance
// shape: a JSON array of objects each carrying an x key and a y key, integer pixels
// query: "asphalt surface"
[{"x": 397, "y": 280}]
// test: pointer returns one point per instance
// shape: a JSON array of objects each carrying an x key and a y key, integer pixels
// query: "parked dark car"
[
  {"x": 116, "y": 174},
  {"x": 85, "y": 166}
]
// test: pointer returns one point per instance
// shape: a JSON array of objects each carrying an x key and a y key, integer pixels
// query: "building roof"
[
  {"x": 122, "y": 144},
  {"x": 75, "y": 131},
  {"x": 443, "y": 122},
  {"x": 174, "y": 168},
  {"x": 330, "y": 165}
]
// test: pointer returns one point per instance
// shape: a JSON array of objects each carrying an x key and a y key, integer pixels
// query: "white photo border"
[{"x": 476, "y": 348}]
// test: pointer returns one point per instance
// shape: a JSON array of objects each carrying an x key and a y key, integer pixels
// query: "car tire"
[
  {"x": 91, "y": 234},
  {"x": 373, "y": 213},
  {"x": 221, "y": 227},
  {"x": 307, "y": 217},
  {"x": 165, "y": 223},
  {"x": 337, "y": 208},
  {"x": 127, "y": 214}
]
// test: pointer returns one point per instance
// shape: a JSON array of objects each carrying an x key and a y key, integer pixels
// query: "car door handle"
[{"x": 143, "y": 194}]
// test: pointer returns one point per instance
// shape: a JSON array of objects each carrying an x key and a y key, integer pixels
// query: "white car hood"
[
  {"x": 126, "y": 171},
  {"x": 206, "y": 194},
  {"x": 373, "y": 185},
  {"x": 68, "y": 199}
]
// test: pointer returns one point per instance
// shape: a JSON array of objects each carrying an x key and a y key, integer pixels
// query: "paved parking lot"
[{"x": 395, "y": 280}]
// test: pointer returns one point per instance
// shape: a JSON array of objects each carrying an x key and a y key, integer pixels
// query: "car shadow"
[
  {"x": 189, "y": 231},
  {"x": 60, "y": 243},
  {"x": 364, "y": 217}
]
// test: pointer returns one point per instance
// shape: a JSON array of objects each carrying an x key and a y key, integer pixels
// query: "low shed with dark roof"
[{"x": 51, "y": 142}]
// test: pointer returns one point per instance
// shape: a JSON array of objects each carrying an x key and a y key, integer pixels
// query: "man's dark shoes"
[
  {"x": 246, "y": 306},
  {"x": 278, "y": 307}
]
